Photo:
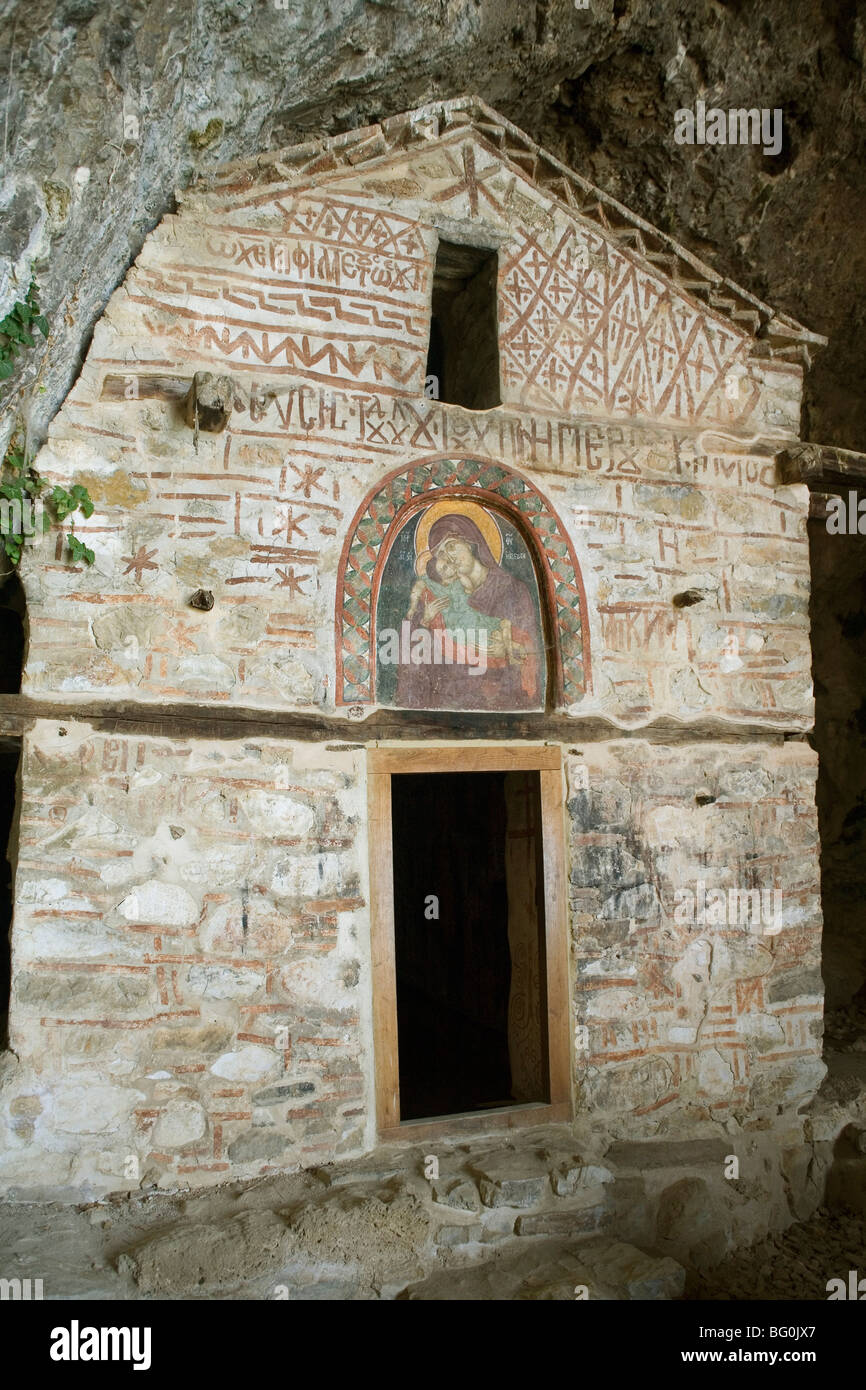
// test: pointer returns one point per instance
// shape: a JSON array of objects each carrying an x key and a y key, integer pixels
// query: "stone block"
[
  {"x": 570, "y": 1178},
  {"x": 561, "y": 1223},
  {"x": 272, "y": 1095},
  {"x": 459, "y": 1235},
  {"x": 227, "y": 1253},
  {"x": 632, "y": 1274},
  {"x": 668, "y": 1153},
  {"x": 209, "y": 1037},
  {"x": 792, "y": 983},
  {"x": 162, "y": 904},
  {"x": 510, "y": 1178},
  {"x": 65, "y": 992},
  {"x": 252, "y": 1063},
  {"x": 258, "y": 1145},
  {"x": 461, "y": 1194},
  {"x": 90, "y": 1108}
]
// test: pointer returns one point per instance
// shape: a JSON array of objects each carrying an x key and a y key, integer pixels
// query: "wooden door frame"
[{"x": 547, "y": 761}]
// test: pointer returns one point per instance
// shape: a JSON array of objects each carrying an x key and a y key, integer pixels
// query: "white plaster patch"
[
  {"x": 613, "y": 1003},
  {"x": 54, "y": 893},
  {"x": 78, "y": 1108},
  {"x": 181, "y": 1122},
  {"x": 607, "y": 964},
  {"x": 715, "y": 1077},
  {"x": 269, "y": 809},
  {"x": 221, "y": 866},
  {"x": 87, "y": 940},
  {"x": 682, "y": 1035},
  {"x": 249, "y": 1064},
  {"x": 765, "y": 1027},
  {"x": 163, "y": 904},
  {"x": 318, "y": 981},
  {"x": 205, "y": 671}
]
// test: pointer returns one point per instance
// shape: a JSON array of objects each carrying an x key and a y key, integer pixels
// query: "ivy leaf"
[
  {"x": 12, "y": 490},
  {"x": 17, "y": 329},
  {"x": 12, "y": 546},
  {"x": 82, "y": 499},
  {"x": 80, "y": 551},
  {"x": 63, "y": 503},
  {"x": 13, "y": 329}
]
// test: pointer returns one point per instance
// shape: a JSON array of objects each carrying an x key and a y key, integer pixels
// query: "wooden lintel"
[
  {"x": 821, "y": 466},
  {"x": 519, "y": 757},
  {"x": 178, "y": 720}
]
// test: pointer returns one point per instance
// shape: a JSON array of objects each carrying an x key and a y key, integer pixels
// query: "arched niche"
[{"x": 524, "y": 518}]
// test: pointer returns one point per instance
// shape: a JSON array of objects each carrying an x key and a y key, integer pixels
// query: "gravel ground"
[{"x": 795, "y": 1264}]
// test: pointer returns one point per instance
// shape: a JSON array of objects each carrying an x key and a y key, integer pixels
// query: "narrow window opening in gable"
[{"x": 463, "y": 356}]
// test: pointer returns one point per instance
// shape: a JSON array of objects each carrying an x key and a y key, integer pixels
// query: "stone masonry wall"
[
  {"x": 687, "y": 1023},
  {"x": 648, "y": 521},
  {"x": 313, "y": 294},
  {"x": 190, "y": 988}
]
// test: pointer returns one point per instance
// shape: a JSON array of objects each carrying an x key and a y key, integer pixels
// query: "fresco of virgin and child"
[{"x": 458, "y": 619}]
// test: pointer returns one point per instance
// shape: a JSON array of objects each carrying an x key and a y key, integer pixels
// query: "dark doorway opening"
[
  {"x": 463, "y": 356},
  {"x": 12, "y": 607},
  {"x": 12, "y": 612},
  {"x": 469, "y": 941},
  {"x": 10, "y": 751}
]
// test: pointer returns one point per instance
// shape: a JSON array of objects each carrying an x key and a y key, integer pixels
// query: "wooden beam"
[
  {"x": 818, "y": 465},
  {"x": 147, "y": 387},
  {"x": 510, "y": 758},
  {"x": 558, "y": 1010},
  {"x": 474, "y": 1123},
  {"x": 174, "y": 719},
  {"x": 385, "y": 1042}
]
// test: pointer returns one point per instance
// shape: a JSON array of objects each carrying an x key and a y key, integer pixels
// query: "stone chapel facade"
[{"x": 203, "y": 961}]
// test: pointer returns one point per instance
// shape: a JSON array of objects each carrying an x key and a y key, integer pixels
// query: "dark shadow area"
[
  {"x": 838, "y": 619},
  {"x": 464, "y": 332},
  {"x": 11, "y": 635},
  {"x": 12, "y": 609},
  {"x": 10, "y": 750},
  {"x": 453, "y": 957}
]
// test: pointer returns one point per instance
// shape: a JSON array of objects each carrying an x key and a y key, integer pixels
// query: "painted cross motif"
[
  {"x": 140, "y": 561},
  {"x": 472, "y": 183},
  {"x": 602, "y": 332}
]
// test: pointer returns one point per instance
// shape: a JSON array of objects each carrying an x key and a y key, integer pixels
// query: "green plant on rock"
[
  {"x": 16, "y": 329},
  {"x": 21, "y": 484}
]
